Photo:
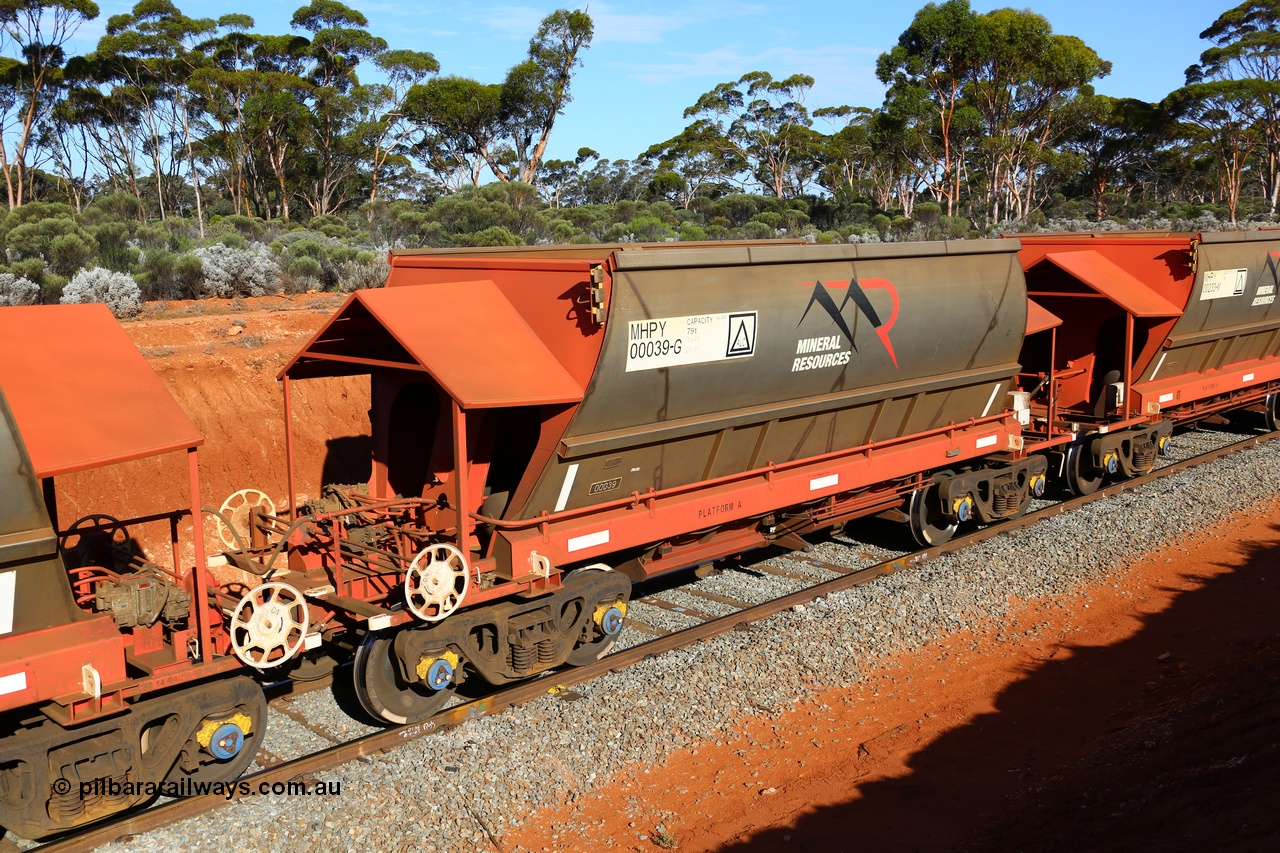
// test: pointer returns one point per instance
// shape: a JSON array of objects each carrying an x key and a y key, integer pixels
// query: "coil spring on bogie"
[
  {"x": 1005, "y": 499},
  {"x": 546, "y": 651},
  {"x": 522, "y": 657},
  {"x": 69, "y": 806},
  {"x": 1144, "y": 456},
  {"x": 63, "y": 808}
]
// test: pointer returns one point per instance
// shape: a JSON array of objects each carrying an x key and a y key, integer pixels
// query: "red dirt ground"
[{"x": 1141, "y": 714}]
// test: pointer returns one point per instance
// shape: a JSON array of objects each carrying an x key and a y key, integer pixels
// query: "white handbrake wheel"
[
  {"x": 436, "y": 582},
  {"x": 236, "y": 509},
  {"x": 269, "y": 625}
]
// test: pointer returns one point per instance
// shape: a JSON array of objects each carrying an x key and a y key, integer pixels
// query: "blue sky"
[{"x": 651, "y": 60}]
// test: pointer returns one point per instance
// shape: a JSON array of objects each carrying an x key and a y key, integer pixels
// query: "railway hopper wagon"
[
  {"x": 550, "y": 426},
  {"x": 111, "y": 669},
  {"x": 1135, "y": 332}
]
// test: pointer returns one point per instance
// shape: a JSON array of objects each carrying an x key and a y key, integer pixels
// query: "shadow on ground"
[{"x": 1165, "y": 741}]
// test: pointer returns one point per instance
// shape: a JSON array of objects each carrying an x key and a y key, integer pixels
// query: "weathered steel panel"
[
  {"x": 1231, "y": 316},
  {"x": 702, "y": 360},
  {"x": 34, "y": 592}
]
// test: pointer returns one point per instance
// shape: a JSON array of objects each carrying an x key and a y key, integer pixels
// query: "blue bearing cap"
[{"x": 227, "y": 741}]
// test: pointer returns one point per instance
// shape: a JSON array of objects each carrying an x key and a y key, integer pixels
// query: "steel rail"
[{"x": 525, "y": 691}]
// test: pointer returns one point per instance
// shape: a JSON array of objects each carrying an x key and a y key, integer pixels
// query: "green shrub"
[
  {"x": 232, "y": 240},
  {"x": 51, "y": 286},
  {"x": 165, "y": 275},
  {"x": 67, "y": 253},
  {"x": 121, "y": 205},
  {"x": 305, "y": 267},
  {"x": 880, "y": 223},
  {"x": 495, "y": 236},
  {"x": 648, "y": 229},
  {"x": 36, "y": 238},
  {"x": 690, "y": 231},
  {"x": 188, "y": 275},
  {"x": 113, "y": 244},
  {"x": 247, "y": 226}
]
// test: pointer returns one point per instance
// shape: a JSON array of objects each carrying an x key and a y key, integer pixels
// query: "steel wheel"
[
  {"x": 1082, "y": 477},
  {"x": 381, "y": 690},
  {"x": 604, "y": 624},
  {"x": 225, "y": 751},
  {"x": 1271, "y": 416},
  {"x": 929, "y": 526}
]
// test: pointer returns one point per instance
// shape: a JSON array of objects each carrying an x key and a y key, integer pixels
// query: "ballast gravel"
[{"x": 458, "y": 790}]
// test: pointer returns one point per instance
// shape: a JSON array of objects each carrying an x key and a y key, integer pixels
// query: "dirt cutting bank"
[{"x": 220, "y": 359}]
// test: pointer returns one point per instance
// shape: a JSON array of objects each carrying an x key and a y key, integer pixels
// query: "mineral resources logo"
[{"x": 855, "y": 291}]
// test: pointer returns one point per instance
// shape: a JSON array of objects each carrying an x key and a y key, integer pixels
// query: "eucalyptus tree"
[
  {"x": 461, "y": 127},
  {"x": 37, "y": 30},
  {"x": 98, "y": 127},
  {"x": 254, "y": 98},
  {"x": 1024, "y": 81},
  {"x": 536, "y": 91},
  {"x": 222, "y": 88},
  {"x": 467, "y": 126},
  {"x": 763, "y": 123},
  {"x": 339, "y": 42},
  {"x": 147, "y": 57},
  {"x": 385, "y": 125},
  {"x": 699, "y": 158},
  {"x": 1117, "y": 141},
  {"x": 926, "y": 72},
  {"x": 1243, "y": 67}
]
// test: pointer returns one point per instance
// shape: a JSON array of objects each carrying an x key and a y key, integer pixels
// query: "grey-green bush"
[
  {"x": 15, "y": 290},
  {"x": 250, "y": 271},
  {"x": 117, "y": 289}
]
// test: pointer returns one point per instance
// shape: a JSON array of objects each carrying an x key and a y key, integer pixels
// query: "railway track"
[{"x": 658, "y": 640}]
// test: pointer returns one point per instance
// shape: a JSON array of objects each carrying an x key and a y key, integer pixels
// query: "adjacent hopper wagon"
[{"x": 1141, "y": 331}]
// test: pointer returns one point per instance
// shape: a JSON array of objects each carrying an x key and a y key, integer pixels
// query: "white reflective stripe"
[
  {"x": 991, "y": 400},
  {"x": 987, "y": 441},
  {"x": 1159, "y": 364},
  {"x": 823, "y": 482},
  {"x": 589, "y": 540},
  {"x": 1164, "y": 398},
  {"x": 13, "y": 683},
  {"x": 8, "y": 582},
  {"x": 1248, "y": 377},
  {"x": 566, "y": 487}
]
